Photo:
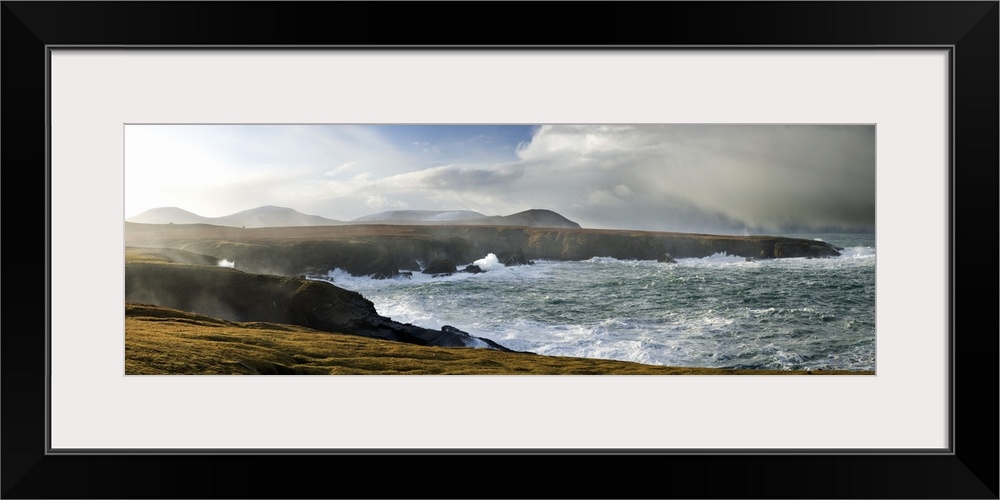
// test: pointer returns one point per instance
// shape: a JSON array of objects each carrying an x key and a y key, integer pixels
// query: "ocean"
[{"x": 720, "y": 311}]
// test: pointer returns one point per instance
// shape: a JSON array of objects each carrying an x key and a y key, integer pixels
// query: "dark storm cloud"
[{"x": 724, "y": 177}]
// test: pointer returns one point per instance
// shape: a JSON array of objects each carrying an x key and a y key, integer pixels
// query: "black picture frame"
[{"x": 969, "y": 470}]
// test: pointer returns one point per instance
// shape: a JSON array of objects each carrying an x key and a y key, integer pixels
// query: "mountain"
[
  {"x": 533, "y": 218},
  {"x": 266, "y": 216},
  {"x": 168, "y": 215},
  {"x": 528, "y": 218},
  {"x": 272, "y": 216}
]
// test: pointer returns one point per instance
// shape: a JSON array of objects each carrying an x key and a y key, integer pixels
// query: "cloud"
[
  {"x": 458, "y": 177},
  {"x": 377, "y": 202},
  {"x": 426, "y": 147},
  {"x": 342, "y": 168},
  {"x": 706, "y": 178},
  {"x": 723, "y": 176}
]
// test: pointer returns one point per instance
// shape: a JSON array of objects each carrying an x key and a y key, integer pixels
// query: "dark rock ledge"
[{"x": 233, "y": 295}]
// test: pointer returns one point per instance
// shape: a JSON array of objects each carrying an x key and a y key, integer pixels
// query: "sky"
[{"x": 725, "y": 179}]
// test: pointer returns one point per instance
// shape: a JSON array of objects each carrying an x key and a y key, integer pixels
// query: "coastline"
[
  {"x": 383, "y": 251},
  {"x": 162, "y": 341},
  {"x": 182, "y": 307}
]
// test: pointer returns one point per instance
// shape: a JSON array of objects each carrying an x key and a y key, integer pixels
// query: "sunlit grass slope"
[{"x": 167, "y": 341}]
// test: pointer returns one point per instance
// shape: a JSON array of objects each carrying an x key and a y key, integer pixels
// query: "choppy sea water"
[{"x": 718, "y": 311}]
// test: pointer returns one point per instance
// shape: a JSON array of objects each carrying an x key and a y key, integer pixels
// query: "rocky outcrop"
[
  {"x": 667, "y": 258},
  {"x": 233, "y": 295},
  {"x": 811, "y": 249},
  {"x": 440, "y": 267},
  {"x": 516, "y": 258}
]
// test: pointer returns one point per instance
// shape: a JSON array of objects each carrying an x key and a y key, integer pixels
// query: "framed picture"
[
  {"x": 633, "y": 264},
  {"x": 918, "y": 78}
]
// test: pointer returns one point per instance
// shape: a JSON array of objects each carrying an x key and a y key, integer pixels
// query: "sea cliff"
[{"x": 386, "y": 250}]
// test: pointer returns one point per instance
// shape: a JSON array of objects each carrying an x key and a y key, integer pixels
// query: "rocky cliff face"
[
  {"x": 237, "y": 296},
  {"x": 383, "y": 251}
]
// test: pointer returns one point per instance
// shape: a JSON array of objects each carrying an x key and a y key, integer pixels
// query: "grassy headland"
[
  {"x": 214, "y": 320},
  {"x": 167, "y": 341}
]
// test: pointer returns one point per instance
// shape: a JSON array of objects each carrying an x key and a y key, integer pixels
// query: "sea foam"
[{"x": 489, "y": 263}]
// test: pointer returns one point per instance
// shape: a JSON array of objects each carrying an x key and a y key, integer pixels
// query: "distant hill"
[
  {"x": 272, "y": 216},
  {"x": 266, "y": 216},
  {"x": 528, "y": 218},
  {"x": 168, "y": 215},
  {"x": 532, "y": 218}
]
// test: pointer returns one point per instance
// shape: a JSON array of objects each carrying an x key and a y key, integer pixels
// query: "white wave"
[
  {"x": 858, "y": 253},
  {"x": 478, "y": 344},
  {"x": 226, "y": 263},
  {"x": 414, "y": 314},
  {"x": 613, "y": 260},
  {"x": 489, "y": 263},
  {"x": 603, "y": 260},
  {"x": 715, "y": 260},
  {"x": 416, "y": 279},
  {"x": 339, "y": 275}
]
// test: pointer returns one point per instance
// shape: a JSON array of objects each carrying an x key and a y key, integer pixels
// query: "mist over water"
[{"x": 719, "y": 311}]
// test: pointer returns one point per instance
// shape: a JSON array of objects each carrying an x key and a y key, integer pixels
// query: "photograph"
[{"x": 581, "y": 249}]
